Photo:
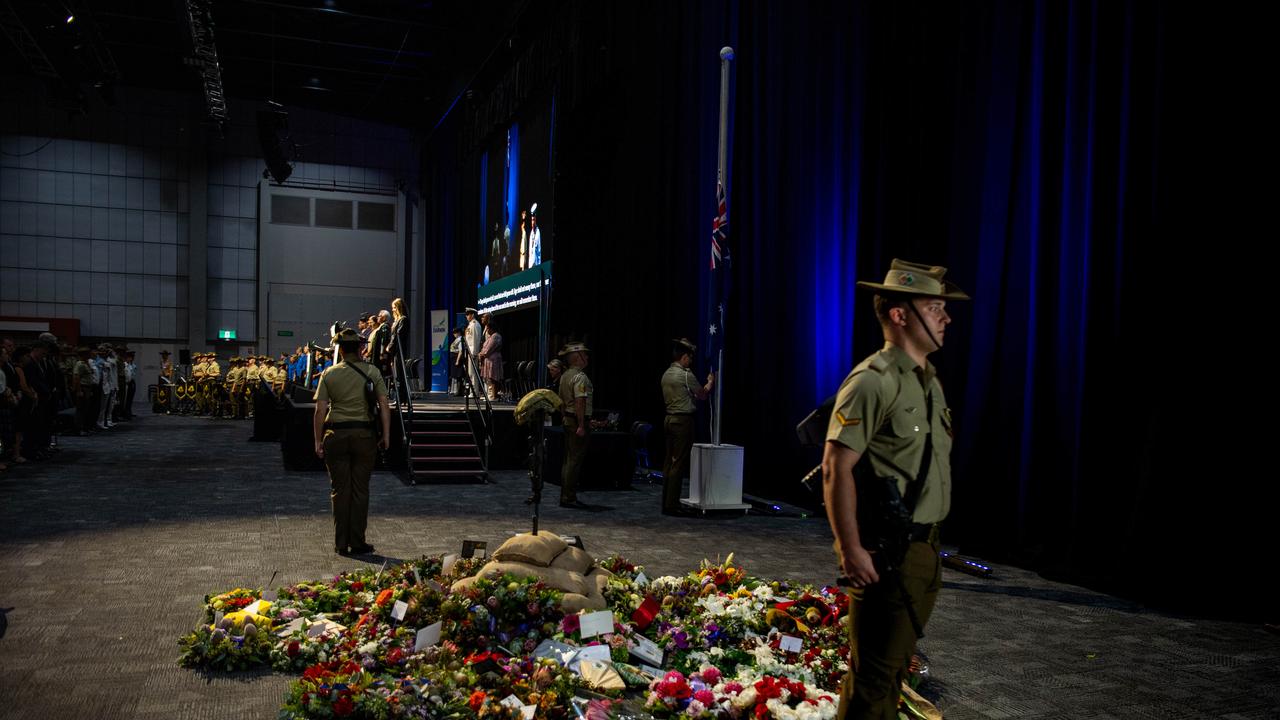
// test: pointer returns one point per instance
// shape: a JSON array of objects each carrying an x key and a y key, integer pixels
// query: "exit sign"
[
  {"x": 284, "y": 333},
  {"x": 226, "y": 334}
]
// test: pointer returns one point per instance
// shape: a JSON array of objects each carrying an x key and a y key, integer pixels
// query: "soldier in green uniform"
[
  {"x": 345, "y": 440},
  {"x": 575, "y": 392},
  {"x": 680, "y": 391},
  {"x": 891, "y": 420}
]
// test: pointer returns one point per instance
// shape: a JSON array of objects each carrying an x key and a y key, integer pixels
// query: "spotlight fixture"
[{"x": 71, "y": 19}]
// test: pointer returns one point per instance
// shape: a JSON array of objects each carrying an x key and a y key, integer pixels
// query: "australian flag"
[
  {"x": 719, "y": 228},
  {"x": 719, "y": 276}
]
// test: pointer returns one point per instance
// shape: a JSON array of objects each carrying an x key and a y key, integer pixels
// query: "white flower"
[
  {"x": 369, "y": 648},
  {"x": 779, "y": 709},
  {"x": 695, "y": 708}
]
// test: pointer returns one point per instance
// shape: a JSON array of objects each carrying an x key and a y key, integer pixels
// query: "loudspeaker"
[
  {"x": 273, "y": 134},
  {"x": 184, "y": 357}
]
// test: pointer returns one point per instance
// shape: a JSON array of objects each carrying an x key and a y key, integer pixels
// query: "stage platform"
[
  {"x": 509, "y": 450},
  {"x": 444, "y": 402}
]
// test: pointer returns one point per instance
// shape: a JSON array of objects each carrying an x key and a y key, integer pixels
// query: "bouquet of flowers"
[{"x": 353, "y": 638}]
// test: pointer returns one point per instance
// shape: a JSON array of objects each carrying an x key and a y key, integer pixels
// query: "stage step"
[
  {"x": 430, "y": 475},
  {"x": 442, "y": 443},
  {"x": 423, "y": 430}
]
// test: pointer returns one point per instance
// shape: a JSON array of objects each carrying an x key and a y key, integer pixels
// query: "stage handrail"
[
  {"x": 400, "y": 381},
  {"x": 485, "y": 409}
]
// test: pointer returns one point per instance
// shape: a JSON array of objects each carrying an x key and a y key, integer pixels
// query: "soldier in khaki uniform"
[
  {"x": 199, "y": 374},
  {"x": 252, "y": 374},
  {"x": 235, "y": 387},
  {"x": 214, "y": 370},
  {"x": 277, "y": 377},
  {"x": 680, "y": 391},
  {"x": 891, "y": 420},
  {"x": 345, "y": 439},
  {"x": 575, "y": 392}
]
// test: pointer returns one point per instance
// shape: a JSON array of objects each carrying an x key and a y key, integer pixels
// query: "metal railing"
[
  {"x": 482, "y": 402},
  {"x": 404, "y": 393}
]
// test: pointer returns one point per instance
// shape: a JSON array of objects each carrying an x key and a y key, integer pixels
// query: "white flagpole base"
[{"x": 715, "y": 478}]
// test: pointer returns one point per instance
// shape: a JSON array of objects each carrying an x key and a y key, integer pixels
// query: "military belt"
[
  {"x": 350, "y": 425},
  {"x": 926, "y": 532}
]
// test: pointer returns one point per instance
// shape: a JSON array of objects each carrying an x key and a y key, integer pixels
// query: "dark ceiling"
[{"x": 396, "y": 61}]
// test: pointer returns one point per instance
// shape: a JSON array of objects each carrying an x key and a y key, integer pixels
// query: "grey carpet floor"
[{"x": 107, "y": 550}]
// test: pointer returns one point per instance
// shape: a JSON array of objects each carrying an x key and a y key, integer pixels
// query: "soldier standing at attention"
[
  {"x": 472, "y": 337},
  {"x": 235, "y": 387},
  {"x": 198, "y": 375},
  {"x": 345, "y": 439},
  {"x": 891, "y": 424},
  {"x": 213, "y": 381},
  {"x": 575, "y": 392},
  {"x": 252, "y": 374},
  {"x": 680, "y": 391}
]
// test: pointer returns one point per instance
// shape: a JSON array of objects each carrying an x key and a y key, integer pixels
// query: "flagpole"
[{"x": 726, "y": 55}]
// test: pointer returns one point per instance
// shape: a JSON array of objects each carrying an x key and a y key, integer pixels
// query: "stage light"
[{"x": 71, "y": 19}]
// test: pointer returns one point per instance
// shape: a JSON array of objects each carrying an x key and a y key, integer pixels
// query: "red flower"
[
  {"x": 293, "y": 648},
  {"x": 673, "y": 685},
  {"x": 357, "y": 586},
  {"x": 318, "y": 672},
  {"x": 476, "y": 700},
  {"x": 395, "y": 656},
  {"x": 767, "y": 688},
  {"x": 706, "y": 697},
  {"x": 762, "y": 711},
  {"x": 343, "y": 706},
  {"x": 474, "y": 658}
]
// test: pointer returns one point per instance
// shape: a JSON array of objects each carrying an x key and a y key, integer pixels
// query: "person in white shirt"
[
  {"x": 130, "y": 387},
  {"x": 105, "y": 372}
]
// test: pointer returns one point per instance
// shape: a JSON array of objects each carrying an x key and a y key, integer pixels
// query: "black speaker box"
[{"x": 273, "y": 134}]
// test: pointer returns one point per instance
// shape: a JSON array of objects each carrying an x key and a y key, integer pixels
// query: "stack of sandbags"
[{"x": 549, "y": 558}]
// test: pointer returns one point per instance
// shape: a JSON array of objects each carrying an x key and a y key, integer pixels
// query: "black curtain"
[{"x": 1040, "y": 150}]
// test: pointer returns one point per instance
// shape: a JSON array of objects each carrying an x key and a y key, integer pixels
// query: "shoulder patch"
[{"x": 847, "y": 422}]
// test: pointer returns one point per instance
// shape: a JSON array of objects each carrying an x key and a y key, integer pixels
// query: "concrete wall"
[{"x": 144, "y": 224}]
